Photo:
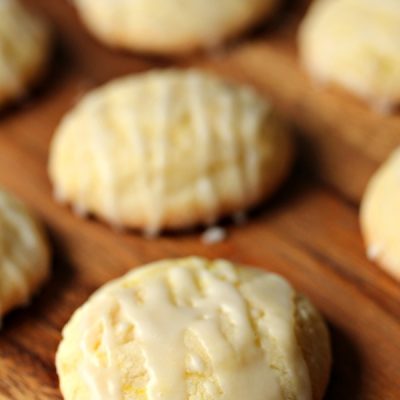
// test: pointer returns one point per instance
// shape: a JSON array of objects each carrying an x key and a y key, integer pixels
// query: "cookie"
[
  {"x": 380, "y": 216},
  {"x": 168, "y": 150},
  {"x": 171, "y": 27},
  {"x": 24, "y": 253},
  {"x": 195, "y": 329},
  {"x": 24, "y": 49},
  {"x": 355, "y": 44}
]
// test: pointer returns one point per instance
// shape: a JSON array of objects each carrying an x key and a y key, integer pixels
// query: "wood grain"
[{"x": 309, "y": 232}]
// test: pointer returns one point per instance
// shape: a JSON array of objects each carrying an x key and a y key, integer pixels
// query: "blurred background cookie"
[
  {"x": 168, "y": 150},
  {"x": 24, "y": 50},
  {"x": 195, "y": 329},
  {"x": 170, "y": 27},
  {"x": 356, "y": 44},
  {"x": 380, "y": 216},
  {"x": 24, "y": 253}
]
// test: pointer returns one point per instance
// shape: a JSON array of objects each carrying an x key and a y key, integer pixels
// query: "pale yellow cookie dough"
[
  {"x": 173, "y": 26},
  {"x": 193, "y": 329},
  {"x": 24, "y": 253},
  {"x": 169, "y": 150},
  {"x": 356, "y": 44},
  {"x": 380, "y": 216},
  {"x": 24, "y": 49}
]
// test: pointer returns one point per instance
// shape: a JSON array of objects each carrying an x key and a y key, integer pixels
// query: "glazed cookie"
[
  {"x": 24, "y": 48},
  {"x": 189, "y": 329},
  {"x": 169, "y": 27},
  {"x": 168, "y": 150},
  {"x": 380, "y": 216},
  {"x": 356, "y": 44},
  {"x": 24, "y": 253}
]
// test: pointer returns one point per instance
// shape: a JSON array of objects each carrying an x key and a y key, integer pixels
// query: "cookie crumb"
[{"x": 214, "y": 234}]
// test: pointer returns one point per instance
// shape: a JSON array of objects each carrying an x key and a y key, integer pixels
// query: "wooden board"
[{"x": 309, "y": 232}]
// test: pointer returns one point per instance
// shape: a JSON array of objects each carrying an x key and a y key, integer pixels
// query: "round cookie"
[
  {"x": 356, "y": 44},
  {"x": 24, "y": 48},
  {"x": 168, "y": 150},
  {"x": 380, "y": 216},
  {"x": 189, "y": 329},
  {"x": 24, "y": 253},
  {"x": 170, "y": 27}
]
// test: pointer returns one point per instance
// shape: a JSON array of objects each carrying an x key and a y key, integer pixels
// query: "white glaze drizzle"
[
  {"x": 160, "y": 150},
  {"x": 230, "y": 136},
  {"x": 206, "y": 191},
  {"x": 275, "y": 299},
  {"x": 102, "y": 137},
  {"x": 128, "y": 120},
  {"x": 182, "y": 301},
  {"x": 17, "y": 246},
  {"x": 250, "y": 117},
  {"x": 81, "y": 152},
  {"x": 14, "y": 260},
  {"x": 102, "y": 380}
]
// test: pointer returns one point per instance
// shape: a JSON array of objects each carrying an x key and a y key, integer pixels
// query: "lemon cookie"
[
  {"x": 168, "y": 27},
  {"x": 168, "y": 150},
  {"x": 356, "y": 44},
  {"x": 24, "y": 254},
  {"x": 189, "y": 329},
  {"x": 24, "y": 48},
  {"x": 380, "y": 216}
]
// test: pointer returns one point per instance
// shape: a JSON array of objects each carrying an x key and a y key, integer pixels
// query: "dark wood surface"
[{"x": 309, "y": 232}]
